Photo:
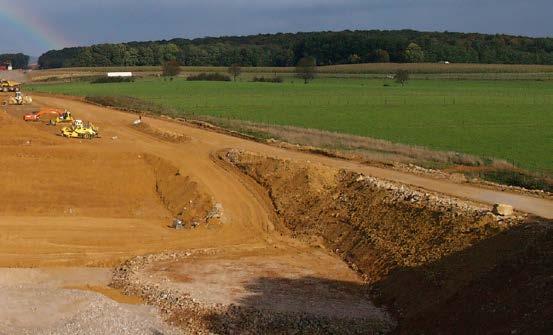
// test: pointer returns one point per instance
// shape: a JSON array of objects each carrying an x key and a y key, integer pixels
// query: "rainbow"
[{"x": 31, "y": 26}]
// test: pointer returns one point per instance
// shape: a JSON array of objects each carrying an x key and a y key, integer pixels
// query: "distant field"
[
  {"x": 420, "y": 70},
  {"x": 511, "y": 120}
]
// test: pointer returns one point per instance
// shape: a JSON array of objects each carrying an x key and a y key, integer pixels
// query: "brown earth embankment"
[{"x": 440, "y": 263}]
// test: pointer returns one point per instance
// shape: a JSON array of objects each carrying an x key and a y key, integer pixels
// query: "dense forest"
[
  {"x": 18, "y": 61},
  {"x": 326, "y": 47}
]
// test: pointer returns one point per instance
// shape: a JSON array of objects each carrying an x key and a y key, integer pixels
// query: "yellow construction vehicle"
[
  {"x": 79, "y": 129},
  {"x": 20, "y": 99},
  {"x": 64, "y": 117},
  {"x": 9, "y": 86}
]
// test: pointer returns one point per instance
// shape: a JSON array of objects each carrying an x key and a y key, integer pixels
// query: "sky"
[{"x": 35, "y": 26}]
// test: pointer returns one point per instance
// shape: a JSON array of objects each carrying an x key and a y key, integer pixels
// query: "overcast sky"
[{"x": 34, "y": 26}]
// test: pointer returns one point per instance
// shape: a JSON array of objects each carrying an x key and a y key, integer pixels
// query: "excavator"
[
  {"x": 52, "y": 112},
  {"x": 79, "y": 129}
]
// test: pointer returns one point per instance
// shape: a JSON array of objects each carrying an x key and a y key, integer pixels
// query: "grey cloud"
[{"x": 87, "y": 22}]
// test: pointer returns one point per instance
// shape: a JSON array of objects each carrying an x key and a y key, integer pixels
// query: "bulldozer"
[
  {"x": 36, "y": 116},
  {"x": 79, "y": 129},
  {"x": 20, "y": 99},
  {"x": 64, "y": 117}
]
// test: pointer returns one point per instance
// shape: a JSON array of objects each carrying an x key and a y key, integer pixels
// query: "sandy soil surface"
[{"x": 96, "y": 202}]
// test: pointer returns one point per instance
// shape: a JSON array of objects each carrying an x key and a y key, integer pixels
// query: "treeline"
[
  {"x": 327, "y": 48},
  {"x": 18, "y": 61}
]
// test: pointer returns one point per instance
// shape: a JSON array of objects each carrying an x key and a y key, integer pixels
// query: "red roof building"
[{"x": 6, "y": 66}]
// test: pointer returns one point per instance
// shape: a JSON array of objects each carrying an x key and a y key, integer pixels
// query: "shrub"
[
  {"x": 235, "y": 70},
  {"x": 523, "y": 179},
  {"x": 171, "y": 68},
  {"x": 267, "y": 80},
  {"x": 209, "y": 77},
  {"x": 401, "y": 77},
  {"x": 107, "y": 80},
  {"x": 306, "y": 69}
]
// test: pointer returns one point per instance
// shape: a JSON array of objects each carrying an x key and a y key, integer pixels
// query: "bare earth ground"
[{"x": 97, "y": 203}]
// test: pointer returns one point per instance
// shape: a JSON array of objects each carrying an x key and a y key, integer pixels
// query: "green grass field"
[{"x": 511, "y": 120}]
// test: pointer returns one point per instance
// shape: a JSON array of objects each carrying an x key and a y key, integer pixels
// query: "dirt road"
[{"x": 207, "y": 142}]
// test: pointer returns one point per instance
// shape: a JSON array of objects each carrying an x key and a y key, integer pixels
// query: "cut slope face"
[
  {"x": 163, "y": 135},
  {"x": 426, "y": 256},
  {"x": 180, "y": 194},
  {"x": 501, "y": 285},
  {"x": 375, "y": 225}
]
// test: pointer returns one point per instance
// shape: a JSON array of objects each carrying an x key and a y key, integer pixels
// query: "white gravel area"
[{"x": 46, "y": 308}]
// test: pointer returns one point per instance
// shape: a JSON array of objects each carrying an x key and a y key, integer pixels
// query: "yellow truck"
[{"x": 9, "y": 86}]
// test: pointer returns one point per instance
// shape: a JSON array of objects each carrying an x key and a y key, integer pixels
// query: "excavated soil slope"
[
  {"x": 429, "y": 257},
  {"x": 71, "y": 202},
  {"x": 160, "y": 134},
  {"x": 181, "y": 195},
  {"x": 375, "y": 225}
]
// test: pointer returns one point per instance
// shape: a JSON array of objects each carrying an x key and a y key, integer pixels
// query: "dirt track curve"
[{"x": 212, "y": 142}]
